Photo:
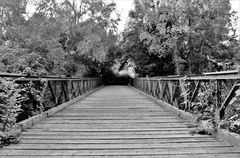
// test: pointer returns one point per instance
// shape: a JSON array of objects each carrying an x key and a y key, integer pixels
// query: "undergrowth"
[
  {"x": 17, "y": 102},
  {"x": 10, "y": 106},
  {"x": 32, "y": 104},
  {"x": 232, "y": 118},
  {"x": 203, "y": 108}
]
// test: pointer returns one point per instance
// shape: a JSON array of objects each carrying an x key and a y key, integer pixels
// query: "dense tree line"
[
  {"x": 67, "y": 37},
  {"x": 79, "y": 38},
  {"x": 166, "y": 37}
]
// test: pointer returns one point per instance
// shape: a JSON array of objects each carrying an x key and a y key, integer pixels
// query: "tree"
[
  {"x": 136, "y": 49},
  {"x": 65, "y": 36},
  {"x": 189, "y": 30}
]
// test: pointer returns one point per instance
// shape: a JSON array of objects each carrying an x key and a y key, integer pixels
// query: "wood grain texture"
[{"x": 116, "y": 122}]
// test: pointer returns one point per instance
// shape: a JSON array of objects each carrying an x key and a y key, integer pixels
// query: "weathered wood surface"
[{"x": 116, "y": 122}]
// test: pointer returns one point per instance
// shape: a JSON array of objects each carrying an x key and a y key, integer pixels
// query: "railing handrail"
[
  {"x": 164, "y": 87},
  {"x": 33, "y": 77},
  {"x": 233, "y": 74}
]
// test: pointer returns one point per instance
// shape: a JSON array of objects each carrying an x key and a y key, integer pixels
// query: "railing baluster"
[{"x": 171, "y": 88}]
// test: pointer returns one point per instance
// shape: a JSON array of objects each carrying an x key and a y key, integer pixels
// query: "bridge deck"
[{"x": 113, "y": 122}]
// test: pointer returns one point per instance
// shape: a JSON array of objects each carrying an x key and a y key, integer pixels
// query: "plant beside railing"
[
  {"x": 213, "y": 98},
  {"x": 10, "y": 107},
  {"x": 232, "y": 121},
  {"x": 32, "y": 104},
  {"x": 204, "y": 110},
  {"x": 22, "y": 97}
]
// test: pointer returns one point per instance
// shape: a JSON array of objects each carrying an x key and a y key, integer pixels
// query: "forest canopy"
[
  {"x": 70, "y": 38},
  {"x": 167, "y": 37},
  {"x": 80, "y": 38}
]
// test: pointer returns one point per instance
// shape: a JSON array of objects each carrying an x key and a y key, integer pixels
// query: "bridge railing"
[
  {"x": 182, "y": 91},
  {"x": 54, "y": 90}
]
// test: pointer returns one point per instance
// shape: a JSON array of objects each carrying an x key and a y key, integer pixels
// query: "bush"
[
  {"x": 10, "y": 106},
  {"x": 204, "y": 110},
  {"x": 8, "y": 59},
  {"x": 32, "y": 104},
  {"x": 17, "y": 102},
  {"x": 232, "y": 119}
]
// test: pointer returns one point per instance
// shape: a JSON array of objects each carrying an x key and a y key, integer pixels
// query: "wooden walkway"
[{"x": 116, "y": 122}]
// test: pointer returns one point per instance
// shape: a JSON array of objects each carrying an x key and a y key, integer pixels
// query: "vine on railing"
[
  {"x": 22, "y": 97},
  {"x": 213, "y": 98}
]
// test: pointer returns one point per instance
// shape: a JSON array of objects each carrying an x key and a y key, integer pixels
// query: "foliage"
[
  {"x": 185, "y": 105},
  {"x": 204, "y": 109},
  {"x": 32, "y": 104},
  {"x": 17, "y": 102},
  {"x": 186, "y": 31},
  {"x": 10, "y": 106},
  {"x": 58, "y": 38},
  {"x": 232, "y": 122},
  {"x": 137, "y": 50}
]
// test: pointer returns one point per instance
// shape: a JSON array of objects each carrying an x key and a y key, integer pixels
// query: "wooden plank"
[
  {"x": 109, "y": 126},
  {"x": 115, "y": 122},
  {"x": 105, "y": 122},
  {"x": 123, "y": 120},
  {"x": 115, "y": 146},
  {"x": 111, "y": 117},
  {"x": 122, "y": 151},
  {"x": 107, "y": 130},
  {"x": 139, "y": 156},
  {"x": 117, "y": 141},
  {"x": 175, "y": 136},
  {"x": 126, "y": 133}
]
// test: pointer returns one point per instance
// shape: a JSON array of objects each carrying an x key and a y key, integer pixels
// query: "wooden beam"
[
  {"x": 195, "y": 92},
  {"x": 53, "y": 91},
  {"x": 45, "y": 85},
  {"x": 163, "y": 89},
  {"x": 227, "y": 100},
  {"x": 170, "y": 88}
]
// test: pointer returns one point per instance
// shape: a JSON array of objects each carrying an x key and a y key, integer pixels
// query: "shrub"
[
  {"x": 232, "y": 119},
  {"x": 32, "y": 104},
  {"x": 10, "y": 106},
  {"x": 204, "y": 110}
]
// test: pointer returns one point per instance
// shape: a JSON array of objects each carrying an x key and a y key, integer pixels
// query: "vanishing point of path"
[{"x": 116, "y": 122}]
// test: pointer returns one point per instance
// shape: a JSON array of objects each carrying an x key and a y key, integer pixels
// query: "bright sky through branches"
[
  {"x": 236, "y": 7},
  {"x": 124, "y": 6}
]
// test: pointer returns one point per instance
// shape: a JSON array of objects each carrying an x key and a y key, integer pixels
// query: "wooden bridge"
[{"x": 116, "y": 122}]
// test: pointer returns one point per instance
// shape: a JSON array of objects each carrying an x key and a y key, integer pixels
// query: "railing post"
[
  {"x": 218, "y": 99},
  {"x": 70, "y": 89},
  {"x": 44, "y": 90},
  {"x": 183, "y": 89},
  {"x": 148, "y": 85}
]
